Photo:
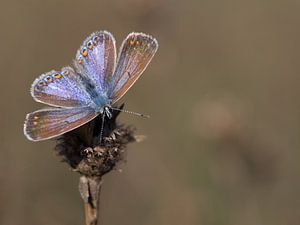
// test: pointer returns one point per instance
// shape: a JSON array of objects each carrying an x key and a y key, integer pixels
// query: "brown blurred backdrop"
[{"x": 223, "y": 93}]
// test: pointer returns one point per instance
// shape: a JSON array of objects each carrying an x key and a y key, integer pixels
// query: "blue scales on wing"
[
  {"x": 96, "y": 60},
  {"x": 60, "y": 88},
  {"x": 48, "y": 123}
]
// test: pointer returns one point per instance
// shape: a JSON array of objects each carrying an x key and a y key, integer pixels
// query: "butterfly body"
[
  {"x": 97, "y": 99},
  {"x": 95, "y": 81}
]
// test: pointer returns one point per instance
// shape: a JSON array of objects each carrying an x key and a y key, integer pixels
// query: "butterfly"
[{"x": 97, "y": 79}]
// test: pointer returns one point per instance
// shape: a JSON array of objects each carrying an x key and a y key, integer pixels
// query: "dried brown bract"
[{"x": 82, "y": 149}]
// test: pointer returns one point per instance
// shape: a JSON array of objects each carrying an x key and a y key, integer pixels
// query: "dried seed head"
[{"x": 81, "y": 149}]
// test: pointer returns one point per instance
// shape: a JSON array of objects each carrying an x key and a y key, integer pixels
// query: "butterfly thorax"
[
  {"x": 98, "y": 98},
  {"x": 100, "y": 102}
]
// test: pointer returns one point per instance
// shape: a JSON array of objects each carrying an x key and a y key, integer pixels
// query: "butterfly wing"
[
  {"x": 48, "y": 123},
  {"x": 60, "y": 88},
  {"x": 136, "y": 52},
  {"x": 96, "y": 59}
]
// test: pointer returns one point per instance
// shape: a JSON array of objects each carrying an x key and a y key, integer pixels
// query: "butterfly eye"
[
  {"x": 57, "y": 76},
  {"x": 84, "y": 52},
  {"x": 90, "y": 45}
]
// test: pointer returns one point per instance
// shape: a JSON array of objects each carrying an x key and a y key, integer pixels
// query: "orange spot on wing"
[
  {"x": 49, "y": 79},
  {"x": 96, "y": 39},
  {"x": 65, "y": 72},
  {"x": 43, "y": 83},
  {"x": 90, "y": 45},
  {"x": 79, "y": 60},
  {"x": 84, "y": 52},
  {"x": 57, "y": 76}
]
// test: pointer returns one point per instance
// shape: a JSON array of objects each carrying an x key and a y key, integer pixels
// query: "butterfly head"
[{"x": 106, "y": 111}]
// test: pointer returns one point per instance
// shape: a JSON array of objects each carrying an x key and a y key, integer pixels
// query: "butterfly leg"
[{"x": 102, "y": 127}]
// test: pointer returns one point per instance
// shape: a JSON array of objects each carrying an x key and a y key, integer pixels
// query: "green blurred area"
[{"x": 222, "y": 143}]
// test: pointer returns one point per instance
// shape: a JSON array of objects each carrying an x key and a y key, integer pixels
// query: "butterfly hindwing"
[
  {"x": 135, "y": 54},
  {"x": 96, "y": 59},
  {"x": 60, "y": 88},
  {"x": 48, "y": 123}
]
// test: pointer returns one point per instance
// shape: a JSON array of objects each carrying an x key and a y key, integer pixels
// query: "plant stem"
[{"x": 89, "y": 188}]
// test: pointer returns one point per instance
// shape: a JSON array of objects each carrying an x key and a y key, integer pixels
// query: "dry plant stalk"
[{"x": 82, "y": 150}]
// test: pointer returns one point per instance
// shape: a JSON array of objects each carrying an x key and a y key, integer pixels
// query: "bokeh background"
[{"x": 222, "y": 143}]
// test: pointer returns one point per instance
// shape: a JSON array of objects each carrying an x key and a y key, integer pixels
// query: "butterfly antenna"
[
  {"x": 102, "y": 127},
  {"x": 133, "y": 113}
]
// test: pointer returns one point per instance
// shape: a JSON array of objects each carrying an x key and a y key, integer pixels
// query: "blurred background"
[{"x": 223, "y": 93}]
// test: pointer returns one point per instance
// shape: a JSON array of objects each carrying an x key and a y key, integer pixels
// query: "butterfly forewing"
[
  {"x": 135, "y": 54},
  {"x": 96, "y": 59},
  {"x": 48, "y": 123},
  {"x": 60, "y": 88}
]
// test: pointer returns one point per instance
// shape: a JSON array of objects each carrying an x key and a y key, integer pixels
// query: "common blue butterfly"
[{"x": 96, "y": 80}]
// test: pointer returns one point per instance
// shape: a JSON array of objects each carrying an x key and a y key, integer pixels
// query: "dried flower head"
[{"x": 83, "y": 150}]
